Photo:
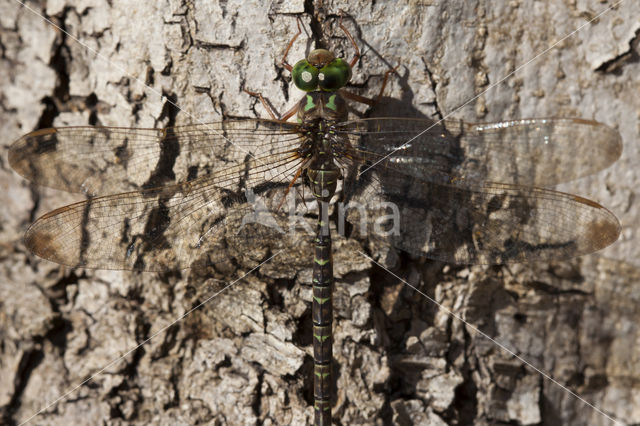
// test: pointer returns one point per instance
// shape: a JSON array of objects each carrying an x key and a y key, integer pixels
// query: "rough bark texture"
[{"x": 245, "y": 357}]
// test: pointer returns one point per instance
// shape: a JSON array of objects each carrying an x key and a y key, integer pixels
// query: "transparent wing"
[
  {"x": 171, "y": 227},
  {"x": 110, "y": 160},
  {"x": 537, "y": 152},
  {"x": 444, "y": 207},
  {"x": 485, "y": 223}
]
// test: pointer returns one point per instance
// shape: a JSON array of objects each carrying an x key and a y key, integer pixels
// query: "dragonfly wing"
[
  {"x": 109, "y": 160},
  {"x": 537, "y": 152},
  {"x": 490, "y": 223},
  {"x": 170, "y": 227}
]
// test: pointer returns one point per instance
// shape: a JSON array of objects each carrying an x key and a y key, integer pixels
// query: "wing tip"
[
  {"x": 42, "y": 244},
  {"x": 605, "y": 232}
]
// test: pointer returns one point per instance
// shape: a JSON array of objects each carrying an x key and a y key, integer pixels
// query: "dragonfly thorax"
[
  {"x": 318, "y": 106},
  {"x": 318, "y": 112}
]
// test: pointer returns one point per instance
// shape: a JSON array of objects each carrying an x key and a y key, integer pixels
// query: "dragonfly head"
[{"x": 321, "y": 70}]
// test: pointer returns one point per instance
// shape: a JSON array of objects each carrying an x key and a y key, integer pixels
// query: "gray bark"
[{"x": 245, "y": 357}]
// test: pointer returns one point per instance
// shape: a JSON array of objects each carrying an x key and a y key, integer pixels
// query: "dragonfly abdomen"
[{"x": 322, "y": 314}]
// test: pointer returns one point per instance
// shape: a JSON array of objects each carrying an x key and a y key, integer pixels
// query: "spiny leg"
[
  {"x": 283, "y": 61},
  {"x": 272, "y": 111},
  {"x": 353, "y": 42},
  {"x": 293, "y": 181},
  {"x": 356, "y": 57},
  {"x": 364, "y": 99}
]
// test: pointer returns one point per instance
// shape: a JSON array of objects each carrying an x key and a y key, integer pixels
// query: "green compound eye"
[
  {"x": 334, "y": 75},
  {"x": 305, "y": 76}
]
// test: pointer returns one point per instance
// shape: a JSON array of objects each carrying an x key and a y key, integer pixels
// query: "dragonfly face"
[{"x": 321, "y": 70}]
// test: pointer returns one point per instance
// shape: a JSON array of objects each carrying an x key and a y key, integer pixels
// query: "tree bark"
[{"x": 245, "y": 356}]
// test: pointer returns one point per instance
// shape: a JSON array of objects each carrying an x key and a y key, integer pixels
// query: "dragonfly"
[{"x": 185, "y": 197}]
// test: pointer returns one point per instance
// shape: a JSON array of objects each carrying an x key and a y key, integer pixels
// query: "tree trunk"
[{"x": 245, "y": 357}]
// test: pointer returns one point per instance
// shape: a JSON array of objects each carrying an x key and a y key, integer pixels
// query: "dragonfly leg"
[
  {"x": 353, "y": 42},
  {"x": 364, "y": 99},
  {"x": 284, "y": 62},
  {"x": 293, "y": 181},
  {"x": 271, "y": 110},
  {"x": 287, "y": 115},
  {"x": 385, "y": 80}
]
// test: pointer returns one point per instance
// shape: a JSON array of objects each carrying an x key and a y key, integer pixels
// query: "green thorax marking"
[
  {"x": 332, "y": 103},
  {"x": 310, "y": 104}
]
